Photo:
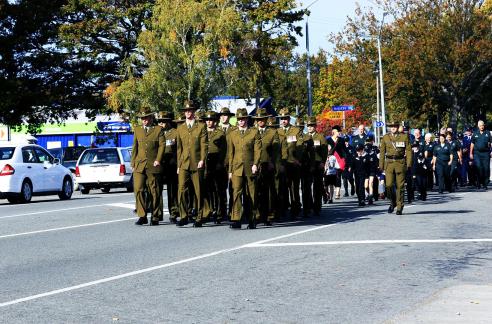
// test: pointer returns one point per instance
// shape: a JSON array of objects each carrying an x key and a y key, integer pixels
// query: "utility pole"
[
  {"x": 308, "y": 66},
  {"x": 378, "y": 118},
  {"x": 383, "y": 109}
]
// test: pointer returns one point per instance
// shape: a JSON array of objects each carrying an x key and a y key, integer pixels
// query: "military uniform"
[
  {"x": 395, "y": 159},
  {"x": 225, "y": 183},
  {"x": 148, "y": 147},
  {"x": 289, "y": 180},
  {"x": 192, "y": 148},
  {"x": 244, "y": 153},
  {"x": 269, "y": 161},
  {"x": 481, "y": 143},
  {"x": 169, "y": 166},
  {"x": 217, "y": 149}
]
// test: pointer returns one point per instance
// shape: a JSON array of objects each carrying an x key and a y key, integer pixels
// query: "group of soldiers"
[{"x": 266, "y": 169}]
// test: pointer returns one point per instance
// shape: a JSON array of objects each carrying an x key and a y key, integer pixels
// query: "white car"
[
  {"x": 28, "y": 170},
  {"x": 104, "y": 168}
]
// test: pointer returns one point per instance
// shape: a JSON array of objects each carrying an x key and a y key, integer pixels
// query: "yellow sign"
[{"x": 333, "y": 115}]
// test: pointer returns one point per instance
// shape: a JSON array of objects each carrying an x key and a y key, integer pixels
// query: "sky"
[{"x": 327, "y": 16}]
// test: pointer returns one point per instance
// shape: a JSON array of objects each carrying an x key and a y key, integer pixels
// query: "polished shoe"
[
  {"x": 154, "y": 222},
  {"x": 182, "y": 222},
  {"x": 197, "y": 224},
  {"x": 391, "y": 209},
  {"x": 330, "y": 201},
  {"x": 142, "y": 221},
  {"x": 362, "y": 204},
  {"x": 252, "y": 225},
  {"x": 172, "y": 220},
  {"x": 218, "y": 221},
  {"x": 346, "y": 194},
  {"x": 399, "y": 212},
  {"x": 235, "y": 225},
  {"x": 268, "y": 223}
]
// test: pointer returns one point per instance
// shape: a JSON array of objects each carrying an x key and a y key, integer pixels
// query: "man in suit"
[
  {"x": 147, "y": 153},
  {"x": 269, "y": 160},
  {"x": 191, "y": 143},
  {"x": 244, "y": 158},
  {"x": 217, "y": 149},
  {"x": 169, "y": 164}
]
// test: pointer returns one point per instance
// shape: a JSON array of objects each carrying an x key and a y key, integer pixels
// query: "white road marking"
[
  {"x": 155, "y": 268},
  {"x": 439, "y": 241},
  {"x": 132, "y": 206},
  {"x": 66, "y": 228}
]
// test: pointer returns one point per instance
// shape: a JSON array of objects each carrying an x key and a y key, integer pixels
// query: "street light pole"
[
  {"x": 383, "y": 109},
  {"x": 308, "y": 66}
]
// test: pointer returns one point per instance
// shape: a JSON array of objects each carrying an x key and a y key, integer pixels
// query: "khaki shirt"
[
  {"x": 290, "y": 141},
  {"x": 395, "y": 147},
  {"x": 244, "y": 151},
  {"x": 191, "y": 145},
  {"x": 147, "y": 148}
]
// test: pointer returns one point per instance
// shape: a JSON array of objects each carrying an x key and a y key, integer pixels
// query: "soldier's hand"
[
  {"x": 157, "y": 163},
  {"x": 230, "y": 176},
  {"x": 200, "y": 164},
  {"x": 254, "y": 168},
  {"x": 177, "y": 171},
  {"x": 471, "y": 156}
]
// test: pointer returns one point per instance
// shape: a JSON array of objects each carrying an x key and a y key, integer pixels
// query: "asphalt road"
[{"x": 83, "y": 261}]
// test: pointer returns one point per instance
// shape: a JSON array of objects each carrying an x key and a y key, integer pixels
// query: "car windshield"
[
  {"x": 107, "y": 156},
  {"x": 6, "y": 153},
  {"x": 72, "y": 153}
]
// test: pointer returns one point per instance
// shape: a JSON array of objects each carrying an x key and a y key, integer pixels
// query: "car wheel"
[
  {"x": 129, "y": 187},
  {"x": 105, "y": 189},
  {"x": 67, "y": 189},
  {"x": 26, "y": 192},
  {"x": 84, "y": 191}
]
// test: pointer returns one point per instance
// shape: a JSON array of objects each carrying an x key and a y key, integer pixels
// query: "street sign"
[
  {"x": 332, "y": 115},
  {"x": 342, "y": 108},
  {"x": 379, "y": 124}
]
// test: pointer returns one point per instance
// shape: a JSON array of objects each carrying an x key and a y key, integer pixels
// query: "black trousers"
[
  {"x": 359, "y": 187},
  {"x": 443, "y": 175},
  {"x": 421, "y": 185}
]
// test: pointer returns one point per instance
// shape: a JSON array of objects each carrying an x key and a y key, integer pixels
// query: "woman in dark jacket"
[{"x": 336, "y": 144}]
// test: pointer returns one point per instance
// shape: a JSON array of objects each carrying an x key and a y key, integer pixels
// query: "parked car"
[
  {"x": 28, "y": 170},
  {"x": 104, "y": 168},
  {"x": 68, "y": 157}
]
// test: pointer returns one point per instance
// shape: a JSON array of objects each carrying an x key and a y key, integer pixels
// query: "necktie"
[
  {"x": 242, "y": 131},
  {"x": 189, "y": 125},
  {"x": 146, "y": 129}
]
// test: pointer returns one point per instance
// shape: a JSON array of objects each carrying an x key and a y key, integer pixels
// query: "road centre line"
[
  {"x": 66, "y": 228},
  {"x": 438, "y": 241},
  {"x": 58, "y": 210},
  {"x": 154, "y": 268},
  {"x": 104, "y": 196}
]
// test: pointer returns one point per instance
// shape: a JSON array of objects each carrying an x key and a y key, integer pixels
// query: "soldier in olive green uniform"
[
  {"x": 305, "y": 176},
  {"x": 217, "y": 149},
  {"x": 244, "y": 158},
  {"x": 318, "y": 153},
  {"x": 169, "y": 164},
  {"x": 395, "y": 159},
  {"x": 192, "y": 151},
  {"x": 269, "y": 160},
  {"x": 290, "y": 171},
  {"x": 225, "y": 183},
  {"x": 147, "y": 153}
]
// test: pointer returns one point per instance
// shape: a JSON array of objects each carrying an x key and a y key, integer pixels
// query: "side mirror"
[{"x": 56, "y": 161}]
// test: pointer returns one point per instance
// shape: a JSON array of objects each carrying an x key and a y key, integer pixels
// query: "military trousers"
[
  {"x": 395, "y": 172},
  {"x": 243, "y": 197},
  {"x": 267, "y": 193},
  {"x": 191, "y": 180},
  {"x": 170, "y": 179},
  {"x": 307, "y": 190},
  {"x": 482, "y": 161},
  {"x": 151, "y": 182},
  {"x": 215, "y": 192},
  {"x": 293, "y": 177}
]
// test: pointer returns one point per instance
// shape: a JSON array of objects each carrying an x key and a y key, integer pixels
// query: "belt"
[{"x": 394, "y": 158}]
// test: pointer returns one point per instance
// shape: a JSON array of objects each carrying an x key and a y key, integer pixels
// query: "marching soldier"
[
  {"x": 217, "y": 149},
  {"x": 169, "y": 164},
  {"x": 269, "y": 160},
  {"x": 289, "y": 177},
  {"x": 192, "y": 152},
  {"x": 305, "y": 174},
  {"x": 147, "y": 153},
  {"x": 244, "y": 158},
  {"x": 395, "y": 159},
  {"x": 480, "y": 154},
  {"x": 225, "y": 183},
  {"x": 318, "y": 153}
]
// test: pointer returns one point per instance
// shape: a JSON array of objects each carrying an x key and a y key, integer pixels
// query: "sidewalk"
[{"x": 458, "y": 304}]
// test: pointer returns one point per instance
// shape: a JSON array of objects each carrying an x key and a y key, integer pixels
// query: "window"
[
  {"x": 72, "y": 153},
  {"x": 126, "y": 155},
  {"x": 107, "y": 156},
  {"x": 28, "y": 155},
  {"x": 6, "y": 153},
  {"x": 43, "y": 156}
]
